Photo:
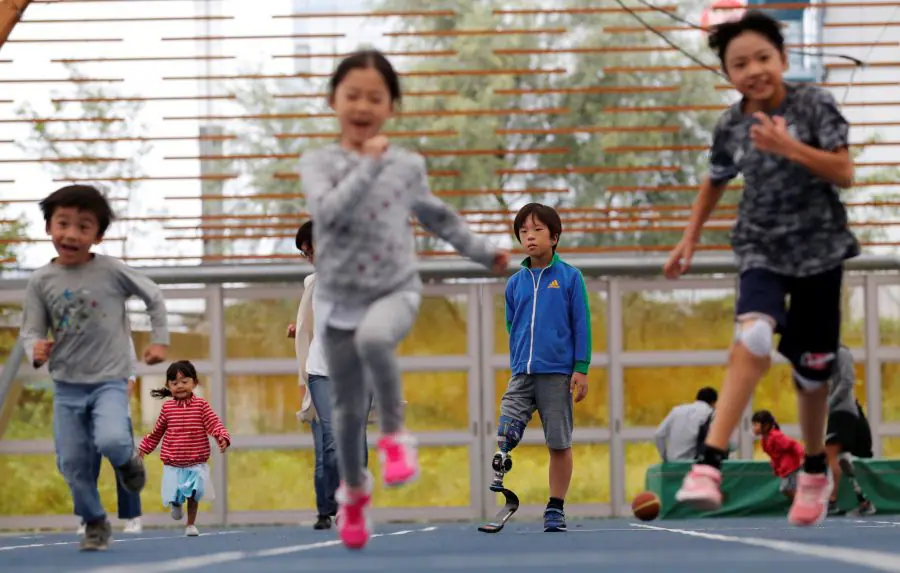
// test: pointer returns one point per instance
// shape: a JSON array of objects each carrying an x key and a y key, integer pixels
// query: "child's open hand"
[
  {"x": 579, "y": 386},
  {"x": 42, "y": 349},
  {"x": 223, "y": 444},
  {"x": 501, "y": 262},
  {"x": 154, "y": 354}
]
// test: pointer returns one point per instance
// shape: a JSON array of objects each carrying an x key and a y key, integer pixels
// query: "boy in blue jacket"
[{"x": 549, "y": 326}]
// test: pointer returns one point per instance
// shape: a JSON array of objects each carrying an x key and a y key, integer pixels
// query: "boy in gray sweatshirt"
[{"x": 74, "y": 318}]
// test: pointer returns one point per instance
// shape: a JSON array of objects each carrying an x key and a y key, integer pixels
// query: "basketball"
[{"x": 646, "y": 506}]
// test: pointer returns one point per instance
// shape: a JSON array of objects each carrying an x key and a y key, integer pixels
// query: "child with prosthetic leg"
[{"x": 548, "y": 320}]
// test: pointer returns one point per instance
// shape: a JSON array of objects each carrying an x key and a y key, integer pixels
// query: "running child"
[
  {"x": 74, "y": 318},
  {"x": 183, "y": 426},
  {"x": 791, "y": 239},
  {"x": 785, "y": 454},
  {"x": 362, "y": 192},
  {"x": 549, "y": 325},
  {"x": 847, "y": 434}
]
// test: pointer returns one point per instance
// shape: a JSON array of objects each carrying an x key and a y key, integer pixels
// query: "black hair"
[
  {"x": 183, "y": 367},
  {"x": 722, "y": 34},
  {"x": 304, "y": 235},
  {"x": 765, "y": 418},
  {"x": 543, "y": 213},
  {"x": 708, "y": 395},
  {"x": 362, "y": 60},
  {"x": 83, "y": 198}
]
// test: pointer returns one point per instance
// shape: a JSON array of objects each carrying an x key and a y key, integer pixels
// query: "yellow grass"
[{"x": 438, "y": 401}]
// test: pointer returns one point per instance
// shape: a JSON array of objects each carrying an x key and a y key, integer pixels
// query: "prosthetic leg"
[
  {"x": 509, "y": 433},
  {"x": 865, "y": 506}
]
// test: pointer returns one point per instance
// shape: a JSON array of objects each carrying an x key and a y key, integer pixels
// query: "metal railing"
[{"x": 479, "y": 362}]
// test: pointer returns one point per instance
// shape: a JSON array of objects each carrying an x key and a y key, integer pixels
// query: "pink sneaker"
[
  {"x": 354, "y": 527},
  {"x": 399, "y": 459},
  {"x": 701, "y": 488},
  {"x": 810, "y": 504}
]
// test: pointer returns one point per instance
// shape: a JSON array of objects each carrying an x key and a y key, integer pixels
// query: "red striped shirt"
[{"x": 183, "y": 426}]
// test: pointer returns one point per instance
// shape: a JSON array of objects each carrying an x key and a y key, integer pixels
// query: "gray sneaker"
[{"x": 96, "y": 536}]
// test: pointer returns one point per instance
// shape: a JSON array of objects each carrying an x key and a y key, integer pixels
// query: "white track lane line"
[
  {"x": 877, "y": 560},
  {"x": 115, "y": 540},
  {"x": 188, "y": 563}
]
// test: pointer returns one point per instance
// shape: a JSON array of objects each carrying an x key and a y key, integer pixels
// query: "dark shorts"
[
  {"x": 807, "y": 313},
  {"x": 842, "y": 428}
]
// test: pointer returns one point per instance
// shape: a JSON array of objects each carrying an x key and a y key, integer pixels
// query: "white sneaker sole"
[{"x": 697, "y": 501}]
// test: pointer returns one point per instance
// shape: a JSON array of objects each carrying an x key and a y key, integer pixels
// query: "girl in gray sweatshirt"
[{"x": 361, "y": 193}]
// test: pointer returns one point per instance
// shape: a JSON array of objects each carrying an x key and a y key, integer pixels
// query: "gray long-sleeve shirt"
[
  {"x": 365, "y": 248},
  {"x": 82, "y": 310},
  {"x": 676, "y": 436},
  {"x": 840, "y": 392}
]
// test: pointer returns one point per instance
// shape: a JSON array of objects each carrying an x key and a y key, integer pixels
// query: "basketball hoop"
[{"x": 722, "y": 11}]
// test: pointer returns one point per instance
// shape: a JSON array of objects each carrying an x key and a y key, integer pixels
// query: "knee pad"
[
  {"x": 509, "y": 433},
  {"x": 804, "y": 384},
  {"x": 755, "y": 335}
]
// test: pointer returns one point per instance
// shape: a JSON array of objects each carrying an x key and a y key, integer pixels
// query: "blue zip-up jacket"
[{"x": 548, "y": 320}]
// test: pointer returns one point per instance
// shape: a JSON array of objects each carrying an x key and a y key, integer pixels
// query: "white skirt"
[{"x": 180, "y": 484}]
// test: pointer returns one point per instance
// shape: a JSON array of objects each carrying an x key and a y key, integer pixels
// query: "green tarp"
[{"x": 750, "y": 489}]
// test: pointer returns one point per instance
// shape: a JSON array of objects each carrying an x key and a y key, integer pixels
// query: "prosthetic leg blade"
[{"x": 512, "y": 505}]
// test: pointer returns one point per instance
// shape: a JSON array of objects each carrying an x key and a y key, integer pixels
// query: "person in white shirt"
[
  {"x": 316, "y": 408},
  {"x": 678, "y": 435}
]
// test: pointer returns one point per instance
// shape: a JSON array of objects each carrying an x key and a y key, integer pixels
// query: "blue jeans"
[
  {"x": 90, "y": 420},
  {"x": 326, "y": 478},
  {"x": 129, "y": 504}
]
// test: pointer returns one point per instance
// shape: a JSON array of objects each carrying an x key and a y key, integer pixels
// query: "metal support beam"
[
  {"x": 218, "y": 396},
  {"x": 10, "y": 13},
  {"x": 616, "y": 396},
  {"x": 872, "y": 341},
  {"x": 452, "y": 269}
]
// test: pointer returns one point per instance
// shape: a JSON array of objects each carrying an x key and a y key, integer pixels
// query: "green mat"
[{"x": 750, "y": 489}]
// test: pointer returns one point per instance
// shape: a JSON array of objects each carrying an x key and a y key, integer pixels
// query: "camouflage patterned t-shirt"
[{"x": 789, "y": 221}]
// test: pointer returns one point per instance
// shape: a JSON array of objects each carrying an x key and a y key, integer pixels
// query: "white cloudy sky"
[{"x": 144, "y": 39}]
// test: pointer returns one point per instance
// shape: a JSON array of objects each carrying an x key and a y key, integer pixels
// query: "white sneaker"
[
  {"x": 80, "y": 531},
  {"x": 177, "y": 512},
  {"x": 133, "y": 526},
  {"x": 191, "y": 531}
]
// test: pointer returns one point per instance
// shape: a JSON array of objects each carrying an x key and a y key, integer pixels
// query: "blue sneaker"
[{"x": 554, "y": 520}]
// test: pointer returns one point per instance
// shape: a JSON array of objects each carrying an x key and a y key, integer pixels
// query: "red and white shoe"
[
  {"x": 810, "y": 505},
  {"x": 399, "y": 458},
  {"x": 701, "y": 488},
  {"x": 353, "y": 525}
]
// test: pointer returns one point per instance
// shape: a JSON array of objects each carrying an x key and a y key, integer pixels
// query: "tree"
[
  {"x": 105, "y": 145},
  {"x": 580, "y": 116},
  {"x": 11, "y": 232},
  {"x": 600, "y": 110}
]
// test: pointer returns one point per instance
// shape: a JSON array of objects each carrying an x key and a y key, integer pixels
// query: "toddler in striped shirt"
[{"x": 183, "y": 426}]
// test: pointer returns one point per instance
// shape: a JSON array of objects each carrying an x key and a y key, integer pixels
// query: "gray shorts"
[{"x": 549, "y": 395}]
